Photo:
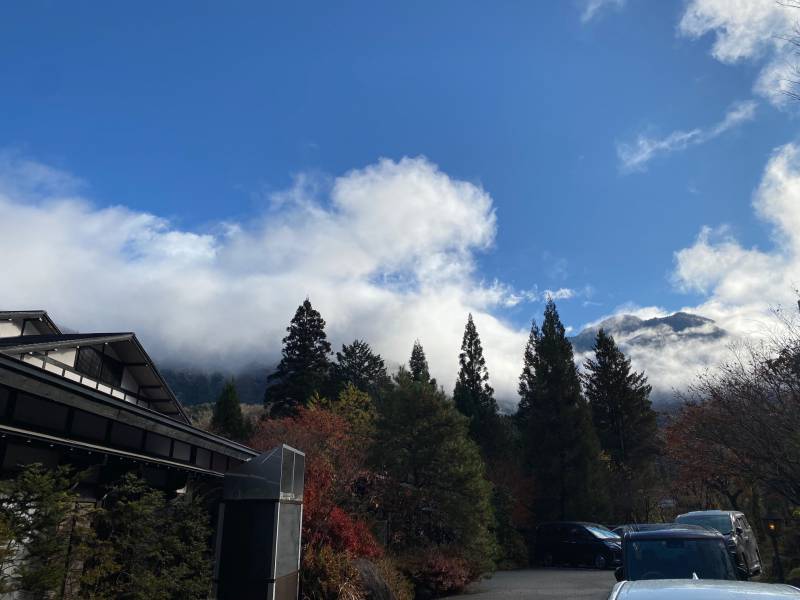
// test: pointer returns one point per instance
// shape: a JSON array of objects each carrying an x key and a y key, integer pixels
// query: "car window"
[
  {"x": 578, "y": 533},
  {"x": 601, "y": 532},
  {"x": 721, "y": 523},
  {"x": 678, "y": 559}
]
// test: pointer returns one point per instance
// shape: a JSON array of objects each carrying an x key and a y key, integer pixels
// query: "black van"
[{"x": 575, "y": 543}]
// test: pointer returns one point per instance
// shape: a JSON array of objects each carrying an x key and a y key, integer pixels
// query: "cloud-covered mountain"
[
  {"x": 656, "y": 345},
  {"x": 631, "y": 331}
]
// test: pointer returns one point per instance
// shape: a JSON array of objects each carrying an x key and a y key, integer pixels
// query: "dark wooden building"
[{"x": 97, "y": 399}]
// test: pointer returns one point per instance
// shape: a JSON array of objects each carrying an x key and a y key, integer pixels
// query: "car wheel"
[
  {"x": 547, "y": 560},
  {"x": 600, "y": 562},
  {"x": 745, "y": 567}
]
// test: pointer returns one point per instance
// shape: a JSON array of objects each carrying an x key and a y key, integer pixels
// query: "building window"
[{"x": 93, "y": 363}]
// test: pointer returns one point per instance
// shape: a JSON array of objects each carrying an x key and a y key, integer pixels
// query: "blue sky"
[{"x": 200, "y": 113}]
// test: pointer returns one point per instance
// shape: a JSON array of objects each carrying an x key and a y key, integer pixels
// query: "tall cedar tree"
[
  {"x": 473, "y": 395},
  {"x": 562, "y": 446},
  {"x": 435, "y": 489},
  {"x": 623, "y": 418},
  {"x": 304, "y": 368},
  {"x": 228, "y": 419},
  {"x": 418, "y": 365},
  {"x": 621, "y": 409},
  {"x": 359, "y": 366}
]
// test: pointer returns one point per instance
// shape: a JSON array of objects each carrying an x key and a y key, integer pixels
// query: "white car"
[{"x": 688, "y": 589}]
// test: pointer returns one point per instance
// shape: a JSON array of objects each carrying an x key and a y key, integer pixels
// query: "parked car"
[
  {"x": 675, "y": 553},
  {"x": 739, "y": 536},
  {"x": 576, "y": 543},
  {"x": 669, "y": 589}
]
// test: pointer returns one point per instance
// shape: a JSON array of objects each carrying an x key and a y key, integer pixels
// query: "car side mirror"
[
  {"x": 619, "y": 574},
  {"x": 739, "y": 530}
]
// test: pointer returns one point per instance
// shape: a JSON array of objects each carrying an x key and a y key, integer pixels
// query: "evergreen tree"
[
  {"x": 359, "y": 366},
  {"x": 562, "y": 446},
  {"x": 142, "y": 547},
  {"x": 228, "y": 419},
  {"x": 473, "y": 395},
  {"x": 418, "y": 365},
  {"x": 304, "y": 367},
  {"x": 436, "y": 493},
  {"x": 34, "y": 509},
  {"x": 623, "y": 418}
]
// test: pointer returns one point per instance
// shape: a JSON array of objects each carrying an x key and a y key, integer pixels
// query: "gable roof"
[
  {"x": 154, "y": 388},
  {"x": 38, "y": 315}
]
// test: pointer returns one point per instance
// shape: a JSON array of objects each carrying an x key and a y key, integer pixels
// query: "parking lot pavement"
[{"x": 543, "y": 584}]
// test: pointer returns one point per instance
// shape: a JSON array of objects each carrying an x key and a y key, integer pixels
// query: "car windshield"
[
  {"x": 721, "y": 523},
  {"x": 678, "y": 559},
  {"x": 602, "y": 532}
]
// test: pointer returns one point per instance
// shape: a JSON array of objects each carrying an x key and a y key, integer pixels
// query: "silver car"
[{"x": 687, "y": 589}]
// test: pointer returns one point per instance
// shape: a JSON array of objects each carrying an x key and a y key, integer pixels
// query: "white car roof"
[{"x": 692, "y": 589}]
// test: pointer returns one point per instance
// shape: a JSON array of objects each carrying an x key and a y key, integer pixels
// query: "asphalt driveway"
[{"x": 543, "y": 584}]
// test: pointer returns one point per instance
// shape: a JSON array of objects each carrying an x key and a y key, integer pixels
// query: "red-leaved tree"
[{"x": 334, "y": 461}]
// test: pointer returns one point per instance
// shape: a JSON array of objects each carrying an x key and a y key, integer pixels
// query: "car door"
[
  {"x": 563, "y": 547},
  {"x": 582, "y": 545},
  {"x": 750, "y": 544}
]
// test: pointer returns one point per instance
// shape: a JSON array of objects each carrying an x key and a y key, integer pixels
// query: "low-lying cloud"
[{"x": 386, "y": 253}]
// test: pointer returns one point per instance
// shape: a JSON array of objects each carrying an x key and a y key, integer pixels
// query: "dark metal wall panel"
[
  {"x": 157, "y": 444},
  {"x": 37, "y": 382},
  {"x": 31, "y": 410},
  {"x": 88, "y": 426}
]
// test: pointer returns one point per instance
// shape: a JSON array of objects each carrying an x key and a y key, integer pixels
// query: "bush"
[
  {"x": 399, "y": 585},
  {"x": 351, "y": 536},
  {"x": 328, "y": 574},
  {"x": 439, "y": 572}
]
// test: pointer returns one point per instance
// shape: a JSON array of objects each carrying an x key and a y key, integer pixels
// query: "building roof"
[
  {"x": 112, "y": 407},
  {"x": 39, "y": 315},
  {"x": 154, "y": 388},
  {"x": 35, "y": 342}
]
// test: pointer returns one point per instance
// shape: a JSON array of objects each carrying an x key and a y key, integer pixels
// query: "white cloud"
[
  {"x": 748, "y": 30},
  {"x": 593, "y": 8},
  {"x": 741, "y": 285},
  {"x": 386, "y": 253},
  {"x": 635, "y": 156}
]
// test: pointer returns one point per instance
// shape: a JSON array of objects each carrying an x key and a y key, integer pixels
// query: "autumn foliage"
[{"x": 334, "y": 462}]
